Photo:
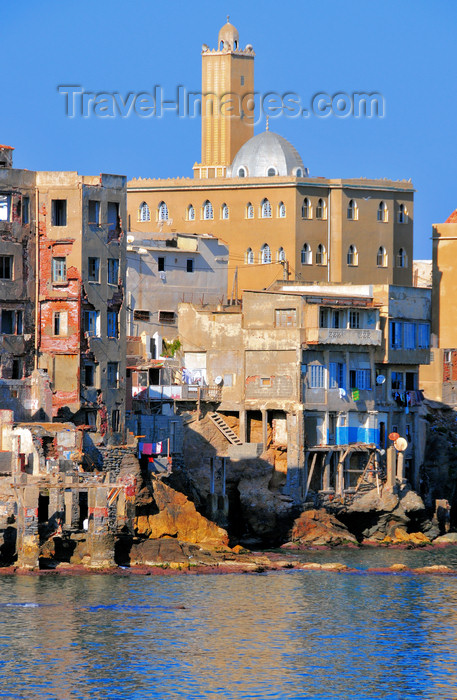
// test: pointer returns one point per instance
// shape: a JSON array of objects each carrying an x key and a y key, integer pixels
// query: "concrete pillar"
[
  {"x": 264, "y": 428},
  {"x": 391, "y": 468},
  {"x": 400, "y": 467},
  {"x": 28, "y": 544},
  {"x": 56, "y": 503},
  {"x": 100, "y": 538},
  {"x": 326, "y": 475},
  {"x": 296, "y": 478},
  {"x": 211, "y": 504},
  {"x": 71, "y": 503},
  {"x": 243, "y": 426},
  {"x": 340, "y": 476}
]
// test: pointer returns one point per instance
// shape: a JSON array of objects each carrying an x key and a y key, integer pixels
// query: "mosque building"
[{"x": 255, "y": 194}]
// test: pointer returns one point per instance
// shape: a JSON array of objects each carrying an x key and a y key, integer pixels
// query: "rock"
[
  {"x": 434, "y": 569},
  {"x": 238, "y": 549},
  {"x": 411, "y": 502},
  {"x": 398, "y": 567},
  {"x": 370, "y": 501},
  {"x": 448, "y": 538},
  {"x": 415, "y": 538},
  {"x": 328, "y": 566},
  {"x": 317, "y": 527},
  {"x": 178, "y": 517}
]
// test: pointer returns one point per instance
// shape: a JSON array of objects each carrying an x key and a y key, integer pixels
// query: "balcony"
[
  {"x": 343, "y": 336},
  {"x": 177, "y": 392}
]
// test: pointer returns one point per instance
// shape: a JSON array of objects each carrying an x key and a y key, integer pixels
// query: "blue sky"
[{"x": 405, "y": 50}]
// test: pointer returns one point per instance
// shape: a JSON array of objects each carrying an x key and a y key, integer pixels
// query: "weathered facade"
[{"x": 320, "y": 366}]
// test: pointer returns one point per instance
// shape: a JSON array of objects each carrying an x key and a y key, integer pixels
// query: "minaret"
[{"x": 227, "y": 102}]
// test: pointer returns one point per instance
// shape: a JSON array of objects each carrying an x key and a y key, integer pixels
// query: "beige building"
[
  {"x": 439, "y": 379},
  {"x": 255, "y": 194}
]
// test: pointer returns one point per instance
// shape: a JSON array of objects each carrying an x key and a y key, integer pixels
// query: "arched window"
[
  {"x": 306, "y": 255},
  {"x": 271, "y": 172},
  {"x": 162, "y": 212},
  {"x": 353, "y": 256},
  {"x": 266, "y": 209},
  {"x": 306, "y": 210},
  {"x": 225, "y": 211},
  {"x": 382, "y": 212},
  {"x": 321, "y": 209},
  {"x": 321, "y": 255},
  {"x": 265, "y": 254},
  {"x": 190, "y": 213},
  {"x": 249, "y": 210},
  {"x": 242, "y": 172},
  {"x": 207, "y": 210},
  {"x": 250, "y": 256},
  {"x": 282, "y": 210},
  {"x": 402, "y": 258},
  {"x": 299, "y": 172},
  {"x": 281, "y": 255},
  {"x": 402, "y": 214},
  {"x": 381, "y": 257},
  {"x": 353, "y": 210},
  {"x": 143, "y": 212}
]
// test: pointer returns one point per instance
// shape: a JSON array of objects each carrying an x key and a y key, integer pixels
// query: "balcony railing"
[
  {"x": 177, "y": 392},
  {"x": 344, "y": 336}
]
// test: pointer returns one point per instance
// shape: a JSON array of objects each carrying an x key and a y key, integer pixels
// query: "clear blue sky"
[{"x": 406, "y": 50}]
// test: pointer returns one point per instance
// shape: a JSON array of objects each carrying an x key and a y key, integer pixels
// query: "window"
[
  {"x": 321, "y": 209},
  {"x": 402, "y": 258},
  {"x": 59, "y": 212},
  {"x": 337, "y": 318},
  {"x": 93, "y": 269},
  {"x": 321, "y": 255},
  {"x": 16, "y": 372},
  {"x": 208, "y": 210},
  {"x": 306, "y": 210},
  {"x": 59, "y": 270},
  {"x": 113, "y": 375},
  {"x": 316, "y": 376},
  {"x": 249, "y": 256},
  {"x": 5, "y": 205},
  {"x": 242, "y": 172},
  {"x": 423, "y": 336},
  {"x": 382, "y": 212},
  {"x": 143, "y": 212},
  {"x": 94, "y": 211},
  {"x": 189, "y": 265},
  {"x": 299, "y": 172},
  {"x": 162, "y": 212},
  {"x": 265, "y": 381},
  {"x": 281, "y": 255},
  {"x": 353, "y": 210},
  {"x": 161, "y": 264},
  {"x": 337, "y": 375},
  {"x": 112, "y": 324},
  {"x": 402, "y": 214},
  {"x": 6, "y": 267},
  {"x": 381, "y": 257},
  {"x": 190, "y": 213},
  {"x": 410, "y": 381},
  {"x": 354, "y": 319},
  {"x": 141, "y": 315},
  {"x": 286, "y": 318},
  {"x": 115, "y": 420},
  {"x": 409, "y": 335},
  {"x": 242, "y": 80},
  {"x": 89, "y": 375},
  {"x": 60, "y": 322},
  {"x": 271, "y": 172},
  {"x": 395, "y": 335},
  {"x": 306, "y": 255},
  {"x": 166, "y": 317},
  {"x": 11, "y": 322},
  {"x": 113, "y": 271},
  {"x": 323, "y": 318},
  {"x": 26, "y": 210},
  {"x": 352, "y": 256},
  {"x": 282, "y": 210},
  {"x": 397, "y": 381},
  {"x": 447, "y": 357},
  {"x": 266, "y": 209},
  {"x": 265, "y": 254},
  {"x": 360, "y": 379},
  {"x": 225, "y": 211},
  {"x": 114, "y": 220},
  {"x": 92, "y": 323},
  {"x": 249, "y": 211}
]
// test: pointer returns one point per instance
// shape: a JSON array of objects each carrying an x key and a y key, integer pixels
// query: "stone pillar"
[
  {"x": 56, "y": 503},
  {"x": 400, "y": 467},
  {"x": 243, "y": 425},
  {"x": 326, "y": 477},
  {"x": 28, "y": 544},
  {"x": 264, "y": 428},
  {"x": 296, "y": 477},
  {"x": 340, "y": 476},
  {"x": 391, "y": 468},
  {"x": 223, "y": 498},
  {"x": 211, "y": 505},
  {"x": 71, "y": 502},
  {"x": 100, "y": 538}
]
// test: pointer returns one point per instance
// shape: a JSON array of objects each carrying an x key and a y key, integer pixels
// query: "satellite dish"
[
  {"x": 219, "y": 380},
  {"x": 130, "y": 239},
  {"x": 401, "y": 444},
  {"x": 380, "y": 379}
]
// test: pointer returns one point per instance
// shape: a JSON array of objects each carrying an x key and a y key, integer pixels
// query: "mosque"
[{"x": 255, "y": 194}]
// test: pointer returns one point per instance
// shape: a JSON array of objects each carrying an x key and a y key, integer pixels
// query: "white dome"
[{"x": 265, "y": 155}]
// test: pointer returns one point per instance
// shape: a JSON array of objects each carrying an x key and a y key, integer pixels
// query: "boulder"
[
  {"x": 448, "y": 538},
  {"x": 178, "y": 517},
  {"x": 371, "y": 501},
  {"x": 400, "y": 536},
  {"x": 317, "y": 527},
  {"x": 411, "y": 502}
]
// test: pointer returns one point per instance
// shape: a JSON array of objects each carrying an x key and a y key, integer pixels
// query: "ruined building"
[
  {"x": 254, "y": 193},
  {"x": 62, "y": 266}
]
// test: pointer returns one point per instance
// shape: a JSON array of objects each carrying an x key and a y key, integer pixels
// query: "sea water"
[{"x": 290, "y": 634}]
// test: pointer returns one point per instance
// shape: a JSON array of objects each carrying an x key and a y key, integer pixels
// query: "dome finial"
[
  {"x": 267, "y": 127},
  {"x": 228, "y": 19}
]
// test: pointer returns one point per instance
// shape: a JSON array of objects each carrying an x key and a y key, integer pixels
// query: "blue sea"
[{"x": 288, "y": 635}]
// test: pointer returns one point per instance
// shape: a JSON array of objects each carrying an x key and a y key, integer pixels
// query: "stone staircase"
[{"x": 226, "y": 431}]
